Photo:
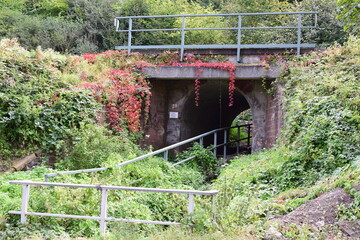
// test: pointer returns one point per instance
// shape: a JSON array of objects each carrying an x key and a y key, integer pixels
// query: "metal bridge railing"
[
  {"x": 103, "y": 218},
  {"x": 217, "y": 143},
  {"x": 239, "y": 28}
]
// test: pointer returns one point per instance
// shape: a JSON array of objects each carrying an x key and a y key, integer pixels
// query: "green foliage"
[
  {"x": 92, "y": 147},
  {"x": 47, "y": 99},
  {"x": 322, "y": 124},
  {"x": 243, "y": 198},
  {"x": 329, "y": 29},
  {"x": 350, "y": 13},
  {"x": 36, "y": 108},
  {"x": 56, "y": 33},
  {"x": 78, "y": 26},
  {"x": 244, "y": 117},
  {"x": 204, "y": 160}
]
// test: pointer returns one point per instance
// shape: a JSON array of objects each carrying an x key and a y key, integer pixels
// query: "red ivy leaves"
[
  {"x": 126, "y": 94},
  {"x": 225, "y": 66}
]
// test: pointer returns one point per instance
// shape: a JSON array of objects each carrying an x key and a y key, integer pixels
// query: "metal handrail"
[
  {"x": 220, "y": 14},
  {"x": 166, "y": 150},
  {"x": 103, "y": 218},
  {"x": 239, "y": 29}
]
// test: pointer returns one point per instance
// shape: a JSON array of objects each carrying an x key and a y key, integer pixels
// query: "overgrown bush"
[
  {"x": 204, "y": 160},
  {"x": 322, "y": 125},
  {"x": 47, "y": 99},
  {"x": 93, "y": 145},
  {"x": 37, "y": 109}
]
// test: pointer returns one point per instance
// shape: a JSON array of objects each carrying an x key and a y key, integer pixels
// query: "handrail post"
[
  {"x": 298, "y": 34},
  {"x": 238, "y": 140},
  {"x": 238, "y": 59},
  {"x": 116, "y": 24},
  {"x": 129, "y": 35},
  {"x": 24, "y": 202},
  {"x": 182, "y": 39},
  {"x": 103, "y": 211},
  {"x": 191, "y": 206},
  {"x": 201, "y": 142},
  {"x": 248, "y": 133},
  {"x": 213, "y": 207},
  {"x": 225, "y": 143},
  {"x": 166, "y": 155},
  {"x": 215, "y": 143}
]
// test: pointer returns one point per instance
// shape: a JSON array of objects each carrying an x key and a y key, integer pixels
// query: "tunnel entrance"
[
  {"x": 213, "y": 110},
  {"x": 174, "y": 117}
]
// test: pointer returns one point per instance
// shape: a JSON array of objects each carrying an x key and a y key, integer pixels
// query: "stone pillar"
[{"x": 155, "y": 133}]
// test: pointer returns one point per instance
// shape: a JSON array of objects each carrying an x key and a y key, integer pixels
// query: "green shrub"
[
  {"x": 93, "y": 145},
  {"x": 204, "y": 160}
]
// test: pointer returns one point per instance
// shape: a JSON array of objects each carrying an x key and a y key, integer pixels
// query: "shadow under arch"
[{"x": 213, "y": 110}]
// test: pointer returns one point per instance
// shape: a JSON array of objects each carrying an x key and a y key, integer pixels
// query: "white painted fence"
[{"x": 103, "y": 218}]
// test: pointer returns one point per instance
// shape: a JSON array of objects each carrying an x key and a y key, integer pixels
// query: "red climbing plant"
[
  {"x": 225, "y": 66},
  {"x": 123, "y": 91},
  {"x": 118, "y": 85}
]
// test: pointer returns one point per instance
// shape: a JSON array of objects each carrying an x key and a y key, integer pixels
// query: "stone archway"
[{"x": 174, "y": 116}]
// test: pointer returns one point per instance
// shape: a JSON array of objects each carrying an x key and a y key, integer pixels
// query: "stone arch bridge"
[
  {"x": 173, "y": 114},
  {"x": 175, "y": 117}
]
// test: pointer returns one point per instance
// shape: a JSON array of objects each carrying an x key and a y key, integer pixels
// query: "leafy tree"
[
  {"x": 329, "y": 29},
  {"x": 50, "y": 32},
  {"x": 350, "y": 13}
]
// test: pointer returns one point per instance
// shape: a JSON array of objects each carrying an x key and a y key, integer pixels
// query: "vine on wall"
[
  {"x": 225, "y": 66},
  {"x": 124, "y": 92}
]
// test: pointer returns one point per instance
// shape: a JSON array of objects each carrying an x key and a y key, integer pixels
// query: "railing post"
[
  {"x": 238, "y": 140},
  {"x": 116, "y": 24},
  {"x": 25, "y": 202},
  {"x": 166, "y": 155},
  {"x": 191, "y": 206},
  {"x": 103, "y": 211},
  {"x": 298, "y": 34},
  {"x": 201, "y": 142},
  {"x": 225, "y": 143},
  {"x": 238, "y": 59},
  {"x": 215, "y": 143},
  {"x": 182, "y": 39},
  {"x": 213, "y": 207},
  {"x": 248, "y": 135},
  {"x": 129, "y": 35}
]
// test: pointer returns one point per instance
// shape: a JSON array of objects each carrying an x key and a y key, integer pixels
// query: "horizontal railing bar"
[
  {"x": 99, "y": 186},
  {"x": 222, "y": 144},
  {"x": 243, "y": 46},
  {"x": 76, "y": 171},
  {"x": 93, "y": 218},
  {"x": 56, "y": 215},
  {"x": 218, "y": 15},
  {"x": 141, "y": 221},
  {"x": 185, "y": 160},
  {"x": 197, "y": 29}
]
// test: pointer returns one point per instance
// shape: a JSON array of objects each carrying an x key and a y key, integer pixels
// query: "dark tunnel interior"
[{"x": 213, "y": 111}]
